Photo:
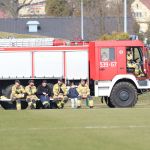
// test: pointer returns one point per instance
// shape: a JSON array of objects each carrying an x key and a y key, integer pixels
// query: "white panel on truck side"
[
  {"x": 77, "y": 65},
  {"x": 15, "y": 64},
  {"x": 48, "y": 64}
]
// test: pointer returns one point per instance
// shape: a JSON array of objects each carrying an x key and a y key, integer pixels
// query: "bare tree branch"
[
  {"x": 13, "y": 6},
  {"x": 24, "y": 4},
  {"x": 24, "y": 1}
]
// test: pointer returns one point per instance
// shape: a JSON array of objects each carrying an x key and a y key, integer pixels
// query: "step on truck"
[{"x": 102, "y": 63}]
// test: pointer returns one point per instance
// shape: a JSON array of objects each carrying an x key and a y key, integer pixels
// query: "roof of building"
[
  {"x": 146, "y": 3},
  {"x": 33, "y": 22},
  {"x": 62, "y": 27}
]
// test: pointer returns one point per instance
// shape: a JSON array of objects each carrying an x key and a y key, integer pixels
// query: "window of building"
[
  {"x": 140, "y": 14},
  {"x": 133, "y": 14},
  {"x": 137, "y": 14}
]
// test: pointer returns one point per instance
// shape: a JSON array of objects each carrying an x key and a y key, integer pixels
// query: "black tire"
[
  {"x": 7, "y": 91},
  {"x": 108, "y": 102},
  {"x": 124, "y": 94}
]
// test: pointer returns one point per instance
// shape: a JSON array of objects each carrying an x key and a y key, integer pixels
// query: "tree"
[
  {"x": 113, "y": 9},
  {"x": 96, "y": 11},
  {"x": 58, "y": 8},
  {"x": 143, "y": 35},
  {"x": 75, "y": 7},
  {"x": 148, "y": 33},
  {"x": 14, "y": 6},
  {"x": 116, "y": 9}
]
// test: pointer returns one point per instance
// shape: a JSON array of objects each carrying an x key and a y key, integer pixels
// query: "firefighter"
[
  {"x": 31, "y": 95},
  {"x": 84, "y": 94},
  {"x": 132, "y": 64},
  {"x": 60, "y": 93},
  {"x": 104, "y": 56},
  {"x": 44, "y": 92},
  {"x": 17, "y": 94}
]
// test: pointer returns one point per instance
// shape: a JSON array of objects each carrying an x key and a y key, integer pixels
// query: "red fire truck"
[{"x": 102, "y": 63}]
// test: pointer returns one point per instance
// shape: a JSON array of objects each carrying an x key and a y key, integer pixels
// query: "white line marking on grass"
[
  {"x": 116, "y": 127},
  {"x": 75, "y": 128}
]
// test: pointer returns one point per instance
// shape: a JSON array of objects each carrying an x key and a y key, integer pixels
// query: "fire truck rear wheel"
[
  {"x": 7, "y": 91},
  {"x": 124, "y": 94}
]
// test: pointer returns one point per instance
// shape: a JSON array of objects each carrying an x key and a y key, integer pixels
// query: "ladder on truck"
[{"x": 26, "y": 42}]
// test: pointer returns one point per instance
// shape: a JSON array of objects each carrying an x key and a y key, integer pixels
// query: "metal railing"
[{"x": 26, "y": 42}]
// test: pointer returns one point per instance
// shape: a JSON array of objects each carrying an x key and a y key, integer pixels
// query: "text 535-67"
[{"x": 108, "y": 64}]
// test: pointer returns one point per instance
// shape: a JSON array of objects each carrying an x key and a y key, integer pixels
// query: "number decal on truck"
[{"x": 108, "y": 64}]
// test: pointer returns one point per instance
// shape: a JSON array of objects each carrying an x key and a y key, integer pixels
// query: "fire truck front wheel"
[
  {"x": 124, "y": 94},
  {"x": 108, "y": 102}
]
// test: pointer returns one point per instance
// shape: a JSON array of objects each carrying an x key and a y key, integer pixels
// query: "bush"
[{"x": 115, "y": 36}]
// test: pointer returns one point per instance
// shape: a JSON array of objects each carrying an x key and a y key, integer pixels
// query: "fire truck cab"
[{"x": 113, "y": 80}]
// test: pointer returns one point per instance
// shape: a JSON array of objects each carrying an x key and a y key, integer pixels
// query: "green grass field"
[
  {"x": 100, "y": 128},
  {"x": 15, "y": 35}
]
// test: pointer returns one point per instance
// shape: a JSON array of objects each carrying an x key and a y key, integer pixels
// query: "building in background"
[
  {"x": 4, "y": 14},
  {"x": 36, "y": 8},
  {"x": 141, "y": 12}
]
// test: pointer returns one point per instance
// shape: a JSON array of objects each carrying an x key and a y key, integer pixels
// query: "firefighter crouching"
[
  {"x": 60, "y": 93},
  {"x": 84, "y": 94},
  {"x": 44, "y": 92},
  {"x": 17, "y": 94},
  {"x": 31, "y": 95}
]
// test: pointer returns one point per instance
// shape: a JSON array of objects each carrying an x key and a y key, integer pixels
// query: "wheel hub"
[{"x": 124, "y": 95}]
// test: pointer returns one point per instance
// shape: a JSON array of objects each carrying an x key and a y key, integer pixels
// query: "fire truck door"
[
  {"x": 108, "y": 63},
  {"x": 121, "y": 59},
  {"x": 147, "y": 62}
]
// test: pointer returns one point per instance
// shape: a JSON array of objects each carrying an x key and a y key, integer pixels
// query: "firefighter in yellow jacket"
[
  {"x": 17, "y": 94},
  {"x": 84, "y": 94},
  {"x": 60, "y": 93},
  {"x": 132, "y": 64},
  {"x": 31, "y": 95}
]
